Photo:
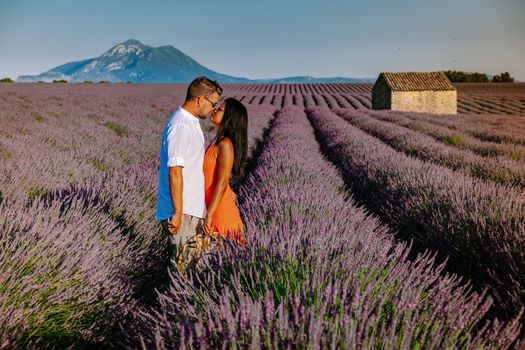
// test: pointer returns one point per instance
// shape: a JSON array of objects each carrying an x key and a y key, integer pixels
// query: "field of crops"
[{"x": 365, "y": 229}]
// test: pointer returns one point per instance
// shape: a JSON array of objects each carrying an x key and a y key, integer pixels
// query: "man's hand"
[{"x": 174, "y": 223}]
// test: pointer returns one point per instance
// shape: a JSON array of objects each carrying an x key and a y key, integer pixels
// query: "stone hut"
[{"x": 425, "y": 92}]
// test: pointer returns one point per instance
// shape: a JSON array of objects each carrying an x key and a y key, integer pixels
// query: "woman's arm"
[{"x": 225, "y": 158}]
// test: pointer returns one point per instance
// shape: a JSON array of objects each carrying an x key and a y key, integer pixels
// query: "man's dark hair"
[{"x": 202, "y": 86}]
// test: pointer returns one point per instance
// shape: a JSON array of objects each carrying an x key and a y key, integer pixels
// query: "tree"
[
  {"x": 6, "y": 80},
  {"x": 462, "y": 77},
  {"x": 503, "y": 78}
]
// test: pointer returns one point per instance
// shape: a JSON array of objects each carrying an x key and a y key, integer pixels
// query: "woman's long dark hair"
[{"x": 234, "y": 125}]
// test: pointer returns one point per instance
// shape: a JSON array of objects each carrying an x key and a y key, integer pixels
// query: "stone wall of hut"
[{"x": 437, "y": 102}]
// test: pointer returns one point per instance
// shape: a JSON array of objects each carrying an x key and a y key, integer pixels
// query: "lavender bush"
[
  {"x": 62, "y": 273},
  {"x": 315, "y": 273},
  {"x": 81, "y": 255},
  {"x": 454, "y": 138},
  {"x": 79, "y": 246},
  {"x": 336, "y": 88},
  {"x": 426, "y": 148},
  {"x": 37, "y": 157},
  {"x": 491, "y": 104},
  {"x": 493, "y": 128},
  {"x": 479, "y": 226}
]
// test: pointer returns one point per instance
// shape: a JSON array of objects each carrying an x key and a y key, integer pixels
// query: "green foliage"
[
  {"x": 38, "y": 117},
  {"x": 281, "y": 279},
  {"x": 6, "y": 80},
  {"x": 463, "y": 77},
  {"x": 99, "y": 164},
  {"x": 120, "y": 130},
  {"x": 503, "y": 78},
  {"x": 35, "y": 192},
  {"x": 60, "y": 81},
  {"x": 455, "y": 140},
  {"x": 88, "y": 82},
  {"x": 57, "y": 325},
  {"x": 103, "y": 82},
  {"x": 4, "y": 155},
  {"x": 516, "y": 156},
  {"x": 22, "y": 131}
]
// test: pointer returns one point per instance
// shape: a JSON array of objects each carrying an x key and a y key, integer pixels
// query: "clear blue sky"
[{"x": 271, "y": 38}]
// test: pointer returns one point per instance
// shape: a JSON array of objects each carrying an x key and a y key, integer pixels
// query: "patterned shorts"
[
  {"x": 190, "y": 246},
  {"x": 195, "y": 251}
]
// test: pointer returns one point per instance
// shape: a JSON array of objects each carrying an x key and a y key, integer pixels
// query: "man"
[{"x": 180, "y": 201}]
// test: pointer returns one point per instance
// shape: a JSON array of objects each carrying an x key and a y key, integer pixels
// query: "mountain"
[{"x": 136, "y": 62}]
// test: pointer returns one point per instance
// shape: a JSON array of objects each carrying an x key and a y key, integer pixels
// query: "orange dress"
[{"x": 226, "y": 220}]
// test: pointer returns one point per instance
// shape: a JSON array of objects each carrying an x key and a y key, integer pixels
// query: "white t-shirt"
[{"x": 182, "y": 145}]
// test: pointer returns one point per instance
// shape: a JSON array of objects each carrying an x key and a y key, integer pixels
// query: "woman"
[{"x": 226, "y": 155}]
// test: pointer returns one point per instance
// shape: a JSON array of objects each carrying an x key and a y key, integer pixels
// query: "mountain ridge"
[{"x": 133, "y": 61}]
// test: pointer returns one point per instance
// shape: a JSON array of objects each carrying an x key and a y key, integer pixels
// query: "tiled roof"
[{"x": 418, "y": 81}]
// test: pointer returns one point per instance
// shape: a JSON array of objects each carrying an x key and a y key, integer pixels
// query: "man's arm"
[
  {"x": 178, "y": 142},
  {"x": 176, "y": 197}
]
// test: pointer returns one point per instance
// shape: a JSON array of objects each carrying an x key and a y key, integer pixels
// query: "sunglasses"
[{"x": 213, "y": 105}]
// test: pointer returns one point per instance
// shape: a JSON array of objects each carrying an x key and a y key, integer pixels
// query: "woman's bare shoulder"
[
  {"x": 225, "y": 144},
  {"x": 225, "y": 149}
]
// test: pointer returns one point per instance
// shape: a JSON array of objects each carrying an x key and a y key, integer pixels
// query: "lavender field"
[{"x": 365, "y": 229}]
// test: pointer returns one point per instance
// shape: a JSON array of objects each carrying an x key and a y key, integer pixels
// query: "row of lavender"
[
  {"x": 77, "y": 258},
  {"x": 359, "y": 100},
  {"x": 497, "y": 169},
  {"x": 472, "y": 100},
  {"x": 346, "y": 100},
  {"x": 469, "y": 105},
  {"x": 30, "y": 145},
  {"x": 487, "y": 135},
  {"x": 495, "y": 104},
  {"x": 72, "y": 189},
  {"x": 496, "y": 99},
  {"x": 51, "y": 139},
  {"x": 478, "y": 225},
  {"x": 492, "y": 128},
  {"x": 118, "y": 204},
  {"x": 486, "y": 129},
  {"x": 269, "y": 89},
  {"x": 318, "y": 272},
  {"x": 101, "y": 131},
  {"x": 68, "y": 261}
]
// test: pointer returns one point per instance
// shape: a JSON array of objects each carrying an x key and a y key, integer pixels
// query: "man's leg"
[{"x": 196, "y": 247}]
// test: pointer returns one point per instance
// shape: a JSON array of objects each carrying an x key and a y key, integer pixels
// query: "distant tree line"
[
  {"x": 463, "y": 77},
  {"x": 6, "y": 80},
  {"x": 503, "y": 78}
]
